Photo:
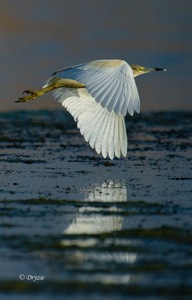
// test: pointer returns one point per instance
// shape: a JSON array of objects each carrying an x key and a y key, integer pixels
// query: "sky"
[{"x": 41, "y": 36}]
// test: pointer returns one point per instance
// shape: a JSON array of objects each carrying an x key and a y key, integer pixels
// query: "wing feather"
[
  {"x": 98, "y": 141},
  {"x": 123, "y": 137},
  {"x": 97, "y": 129},
  {"x": 117, "y": 132},
  {"x": 91, "y": 126},
  {"x": 118, "y": 96},
  {"x": 110, "y": 142},
  {"x": 104, "y": 131},
  {"x": 122, "y": 105},
  {"x": 104, "y": 91},
  {"x": 104, "y": 146},
  {"x": 102, "y": 78}
]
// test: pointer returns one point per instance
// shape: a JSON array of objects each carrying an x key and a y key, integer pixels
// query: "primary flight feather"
[{"x": 98, "y": 95}]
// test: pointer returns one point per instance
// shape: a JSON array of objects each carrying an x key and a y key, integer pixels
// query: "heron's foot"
[
  {"x": 32, "y": 95},
  {"x": 29, "y": 92}
]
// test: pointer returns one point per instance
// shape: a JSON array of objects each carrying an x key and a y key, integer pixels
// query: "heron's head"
[{"x": 139, "y": 70}]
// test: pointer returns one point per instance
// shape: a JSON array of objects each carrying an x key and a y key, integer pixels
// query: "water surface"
[{"x": 95, "y": 228}]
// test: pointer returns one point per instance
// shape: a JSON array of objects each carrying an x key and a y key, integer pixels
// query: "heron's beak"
[
  {"x": 147, "y": 70},
  {"x": 139, "y": 70}
]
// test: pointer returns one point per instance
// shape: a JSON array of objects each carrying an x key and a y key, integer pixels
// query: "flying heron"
[{"x": 98, "y": 95}]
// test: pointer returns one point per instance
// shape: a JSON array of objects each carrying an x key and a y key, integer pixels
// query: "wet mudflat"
[{"x": 88, "y": 227}]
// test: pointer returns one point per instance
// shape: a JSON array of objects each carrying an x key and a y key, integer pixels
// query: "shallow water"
[{"x": 95, "y": 228}]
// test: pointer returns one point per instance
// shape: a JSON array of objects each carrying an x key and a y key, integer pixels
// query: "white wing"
[
  {"x": 105, "y": 131},
  {"x": 109, "y": 82},
  {"x": 99, "y": 108}
]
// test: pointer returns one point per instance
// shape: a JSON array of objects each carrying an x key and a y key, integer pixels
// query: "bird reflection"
[
  {"x": 91, "y": 218},
  {"x": 101, "y": 214}
]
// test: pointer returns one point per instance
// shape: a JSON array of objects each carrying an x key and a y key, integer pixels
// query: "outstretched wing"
[
  {"x": 105, "y": 131},
  {"x": 99, "y": 107},
  {"x": 110, "y": 82}
]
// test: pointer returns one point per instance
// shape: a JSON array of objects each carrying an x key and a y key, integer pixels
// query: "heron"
[{"x": 98, "y": 94}]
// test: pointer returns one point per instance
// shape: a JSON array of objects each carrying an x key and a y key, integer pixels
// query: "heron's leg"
[
  {"x": 55, "y": 84},
  {"x": 34, "y": 94}
]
